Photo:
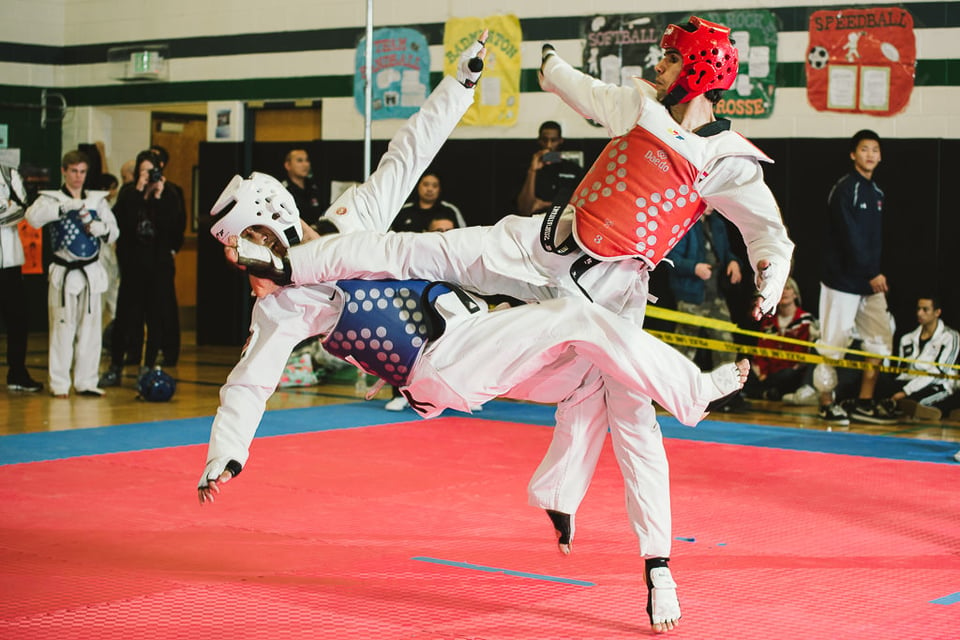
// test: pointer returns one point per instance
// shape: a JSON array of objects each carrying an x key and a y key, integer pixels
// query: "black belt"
[{"x": 73, "y": 265}]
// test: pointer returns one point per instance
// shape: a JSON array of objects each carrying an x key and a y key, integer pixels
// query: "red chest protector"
[{"x": 637, "y": 200}]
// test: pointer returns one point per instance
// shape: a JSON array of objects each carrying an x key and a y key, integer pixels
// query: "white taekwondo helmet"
[{"x": 257, "y": 200}]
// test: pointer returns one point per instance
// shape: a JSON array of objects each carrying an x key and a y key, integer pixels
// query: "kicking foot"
[
  {"x": 663, "y": 607},
  {"x": 563, "y": 526},
  {"x": 727, "y": 380}
]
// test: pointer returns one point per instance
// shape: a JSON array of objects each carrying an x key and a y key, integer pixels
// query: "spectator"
[
  {"x": 108, "y": 258},
  {"x": 425, "y": 206},
  {"x": 13, "y": 197},
  {"x": 772, "y": 377},
  {"x": 79, "y": 222},
  {"x": 703, "y": 267},
  {"x": 853, "y": 287},
  {"x": 549, "y": 174},
  {"x": 441, "y": 222},
  {"x": 152, "y": 225},
  {"x": 921, "y": 393},
  {"x": 299, "y": 182}
]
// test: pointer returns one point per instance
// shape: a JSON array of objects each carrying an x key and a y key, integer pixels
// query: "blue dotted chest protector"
[
  {"x": 385, "y": 324},
  {"x": 69, "y": 234}
]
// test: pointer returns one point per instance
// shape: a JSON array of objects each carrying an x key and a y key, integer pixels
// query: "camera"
[{"x": 154, "y": 175}]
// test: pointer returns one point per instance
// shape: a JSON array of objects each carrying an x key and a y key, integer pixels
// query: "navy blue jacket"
[
  {"x": 854, "y": 235},
  {"x": 691, "y": 250}
]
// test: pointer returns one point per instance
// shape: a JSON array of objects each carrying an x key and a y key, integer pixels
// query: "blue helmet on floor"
[{"x": 156, "y": 385}]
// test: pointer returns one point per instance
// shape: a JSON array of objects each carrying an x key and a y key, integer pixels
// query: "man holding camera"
[
  {"x": 152, "y": 223},
  {"x": 548, "y": 173}
]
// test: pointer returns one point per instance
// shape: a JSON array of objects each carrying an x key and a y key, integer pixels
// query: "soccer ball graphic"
[{"x": 818, "y": 57}]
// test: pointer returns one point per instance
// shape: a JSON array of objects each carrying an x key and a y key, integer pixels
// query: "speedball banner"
[{"x": 861, "y": 60}]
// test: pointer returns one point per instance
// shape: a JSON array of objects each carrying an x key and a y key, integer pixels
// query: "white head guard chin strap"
[{"x": 259, "y": 200}]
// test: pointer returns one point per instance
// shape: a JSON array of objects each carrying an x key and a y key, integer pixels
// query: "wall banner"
[
  {"x": 497, "y": 98},
  {"x": 754, "y": 33},
  {"x": 861, "y": 60},
  {"x": 618, "y": 48},
  {"x": 401, "y": 73}
]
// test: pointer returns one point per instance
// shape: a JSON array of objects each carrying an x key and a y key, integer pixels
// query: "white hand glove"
[
  {"x": 67, "y": 206},
  {"x": 260, "y": 262},
  {"x": 98, "y": 229},
  {"x": 771, "y": 278},
  {"x": 215, "y": 469},
  {"x": 470, "y": 65}
]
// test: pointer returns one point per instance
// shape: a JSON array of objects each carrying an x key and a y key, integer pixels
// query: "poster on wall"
[
  {"x": 401, "y": 73},
  {"x": 619, "y": 48},
  {"x": 755, "y": 34},
  {"x": 225, "y": 121},
  {"x": 497, "y": 96},
  {"x": 861, "y": 60}
]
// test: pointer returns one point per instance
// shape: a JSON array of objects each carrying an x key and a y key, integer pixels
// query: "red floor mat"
[{"x": 319, "y": 538}]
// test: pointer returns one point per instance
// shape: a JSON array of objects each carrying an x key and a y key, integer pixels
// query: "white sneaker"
[
  {"x": 397, "y": 404},
  {"x": 956, "y": 456},
  {"x": 804, "y": 396}
]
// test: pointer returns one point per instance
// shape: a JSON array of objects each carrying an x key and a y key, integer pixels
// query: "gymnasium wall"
[{"x": 250, "y": 50}]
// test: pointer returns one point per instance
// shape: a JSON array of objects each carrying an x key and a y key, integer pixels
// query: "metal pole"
[{"x": 368, "y": 94}]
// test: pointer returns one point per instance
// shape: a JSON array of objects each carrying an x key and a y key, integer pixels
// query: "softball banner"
[
  {"x": 861, "y": 60},
  {"x": 401, "y": 73},
  {"x": 497, "y": 98}
]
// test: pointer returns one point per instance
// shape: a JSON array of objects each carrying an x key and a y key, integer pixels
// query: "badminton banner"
[
  {"x": 861, "y": 60},
  {"x": 401, "y": 73},
  {"x": 497, "y": 98}
]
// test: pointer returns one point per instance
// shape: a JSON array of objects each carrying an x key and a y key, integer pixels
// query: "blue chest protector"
[
  {"x": 385, "y": 324},
  {"x": 69, "y": 234}
]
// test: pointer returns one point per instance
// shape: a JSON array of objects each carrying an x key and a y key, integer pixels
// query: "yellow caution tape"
[{"x": 780, "y": 354}]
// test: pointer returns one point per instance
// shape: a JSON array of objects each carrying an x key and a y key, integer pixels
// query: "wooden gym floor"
[{"x": 202, "y": 369}]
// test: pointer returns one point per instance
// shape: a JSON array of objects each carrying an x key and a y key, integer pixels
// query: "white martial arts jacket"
[
  {"x": 725, "y": 170},
  {"x": 282, "y": 320},
  {"x": 942, "y": 347}
]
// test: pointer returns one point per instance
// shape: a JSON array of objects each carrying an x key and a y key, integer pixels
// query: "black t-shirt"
[
  {"x": 414, "y": 218},
  {"x": 308, "y": 200}
]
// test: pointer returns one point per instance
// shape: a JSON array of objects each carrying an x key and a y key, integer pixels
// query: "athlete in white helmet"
[
  {"x": 557, "y": 343},
  {"x": 668, "y": 160}
]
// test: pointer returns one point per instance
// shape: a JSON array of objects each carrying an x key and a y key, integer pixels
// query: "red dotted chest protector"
[{"x": 638, "y": 199}]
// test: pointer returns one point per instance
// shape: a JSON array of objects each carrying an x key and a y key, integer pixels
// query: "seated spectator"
[
  {"x": 441, "y": 222},
  {"x": 771, "y": 378},
  {"x": 425, "y": 206},
  {"x": 920, "y": 393}
]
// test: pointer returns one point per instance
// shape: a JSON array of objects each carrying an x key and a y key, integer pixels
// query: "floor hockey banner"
[
  {"x": 401, "y": 73},
  {"x": 861, "y": 60},
  {"x": 497, "y": 98}
]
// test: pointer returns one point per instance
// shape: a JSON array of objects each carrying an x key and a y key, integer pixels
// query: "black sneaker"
[
  {"x": 872, "y": 413},
  {"x": 834, "y": 414},
  {"x": 111, "y": 378},
  {"x": 24, "y": 383}
]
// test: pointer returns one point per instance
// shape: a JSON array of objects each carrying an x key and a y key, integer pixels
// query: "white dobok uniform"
[
  {"x": 509, "y": 259},
  {"x": 538, "y": 352},
  {"x": 77, "y": 280}
]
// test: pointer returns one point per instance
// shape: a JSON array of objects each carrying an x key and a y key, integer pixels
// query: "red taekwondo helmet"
[{"x": 710, "y": 60}]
